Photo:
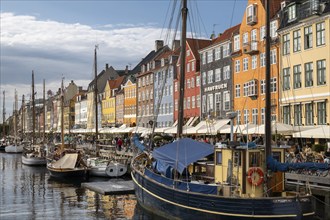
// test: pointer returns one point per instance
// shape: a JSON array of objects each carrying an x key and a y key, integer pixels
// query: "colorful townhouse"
[
  {"x": 109, "y": 102},
  {"x": 81, "y": 110},
  {"x": 192, "y": 95},
  {"x": 130, "y": 101},
  {"x": 305, "y": 62},
  {"x": 145, "y": 85},
  {"x": 248, "y": 60},
  {"x": 163, "y": 86},
  {"x": 216, "y": 70}
]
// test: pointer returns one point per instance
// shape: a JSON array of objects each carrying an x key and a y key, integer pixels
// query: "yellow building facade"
[
  {"x": 130, "y": 102},
  {"x": 305, "y": 70},
  {"x": 249, "y": 64}
]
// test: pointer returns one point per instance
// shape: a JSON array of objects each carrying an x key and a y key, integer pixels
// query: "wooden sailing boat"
[
  {"x": 16, "y": 147},
  {"x": 102, "y": 167},
  {"x": 34, "y": 154},
  {"x": 193, "y": 180},
  {"x": 66, "y": 164},
  {"x": 3, "y": 140}
]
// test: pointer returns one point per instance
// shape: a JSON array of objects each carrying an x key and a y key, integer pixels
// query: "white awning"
[
  {"x": 320, "y": 131},
  {"x": 214, "y": 127}
]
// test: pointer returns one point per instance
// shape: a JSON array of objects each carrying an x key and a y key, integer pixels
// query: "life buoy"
[{"x": 253, "y": 172}]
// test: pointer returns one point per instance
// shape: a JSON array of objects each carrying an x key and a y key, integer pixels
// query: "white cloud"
[{"x": 51, "y": 49}]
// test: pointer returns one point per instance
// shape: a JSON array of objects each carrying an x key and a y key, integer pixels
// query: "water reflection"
[{"x": 29, "y": 193}]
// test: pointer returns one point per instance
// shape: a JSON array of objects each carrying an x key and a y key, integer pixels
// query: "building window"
[
  {"x": 225, "y": 50},
  {"x": 176, "y": 105},
  {"x": 218, "y": 103},
  {"x": 297, "y": 76},
  {"x": 226, "y": 72},
  {"x": 217, "y": 75},
  {"x": 203, "y": 57},
  {"x": 204, "y": 104},
  {"x": 309, "y": 117},
  {"x": 254, "y": 62},
  {"x": 292, "y": 12},
  {"x": 297, "y": 115},
  {"x": 246, "y": 116},
  {"x": 217, "y": 53},
  {"x": 237, "y": 45},
  {"x": 321, "y": 113},
  {"x": 255, "y": 116},
  {"x": 296, "y": 41},
  {"x": 286, "y": 115},
  {"x": 251, "y": 14},
  {"x": 245, "y": 89},
  {"x": 263, "y": 111},
  {"x": 286, "y": 78},
  {"x": 210, "y": 103},
  {"x": 308, "y": 74},
  {"x": 188, "y": 67},
  {"x": 226, "y": 101},
  {"x": 192, "y": 65},
  {"x": 188, "y": 102},
  {"x": 273, "y": 29},
  {"x": 204, "y": 78},
  {"x": 198, "y": 81},
  {"x": 308, "y": 37},
  {"x": 193, "y": 104},
  {"x": 320, "y": 34},
  {"x": 210, "y": 76},
  {"x": 188, "y": 83},
  {"x": 273, "y": 56},
  {"x": 262, "y": 86},
  {"x": 262, "y": 59},
  {"x": 273, "y": 84},
  {"x": 210, "y": 56},
  {"x": 321, "y": 79},
  {"x": 237, "y": 90},
  {"x": 245, "y": 64},
  {"x": 176, "y": 86},
  {"x": 237, "y": 66},
  {"x": 262, "y": 33},
  {"x": 286, "y": 44},
  {"x": 198, "y": 101},
  {"x": 238, "y": 117},
  {"x": 245, "y": 38}
]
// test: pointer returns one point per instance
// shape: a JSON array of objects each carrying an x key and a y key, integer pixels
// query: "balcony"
[{"x": 250, "y": 48}]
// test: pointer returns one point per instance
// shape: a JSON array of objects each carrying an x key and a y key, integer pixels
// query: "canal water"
[{"x": 29, "y": 193}]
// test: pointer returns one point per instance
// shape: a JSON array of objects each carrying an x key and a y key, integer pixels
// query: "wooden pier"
[{"x": 111, "y": 187}]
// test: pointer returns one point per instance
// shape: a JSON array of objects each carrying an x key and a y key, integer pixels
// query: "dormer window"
[
  {"x": 162, "y": 62},
  {"x": 251, "y": 14},
  {"x": 292, "y": 12}
]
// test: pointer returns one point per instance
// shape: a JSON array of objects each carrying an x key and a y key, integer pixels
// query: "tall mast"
[
  {"x": 33, "y": 110},
  {"x": 23, "y": 118},
  {"x": 95, "y": 101},
  {"x": 4, "y": 116},
  {"x": 268, "y": 131},
  {"x": 184, "y": 12},
  {"x": 44, "y": 111},
  {"x": 62, "y": 114},
  {"x": 15, "y": 118}
]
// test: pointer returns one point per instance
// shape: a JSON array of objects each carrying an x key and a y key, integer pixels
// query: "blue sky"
[{"x": 57, "y": 38}]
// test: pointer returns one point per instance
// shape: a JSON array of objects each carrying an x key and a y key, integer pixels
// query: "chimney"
[
  {"x": 159, "y": 44},
  {"x": 175, "y": 44},
  {"x": 126, "y": 69},
  {"x": 106, "y": 66}
]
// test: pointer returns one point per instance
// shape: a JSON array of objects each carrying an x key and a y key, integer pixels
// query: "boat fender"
[{"x": 255, "y": 181}]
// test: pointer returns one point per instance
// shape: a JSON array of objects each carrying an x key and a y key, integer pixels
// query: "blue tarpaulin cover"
[{"x": 179, "y": 154}]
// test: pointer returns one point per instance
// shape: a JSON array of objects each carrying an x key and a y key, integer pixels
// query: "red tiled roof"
[{"x": 115, "y": 83}]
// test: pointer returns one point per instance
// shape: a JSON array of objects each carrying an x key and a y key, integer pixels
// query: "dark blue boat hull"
[{"x": 171, "y": 203}]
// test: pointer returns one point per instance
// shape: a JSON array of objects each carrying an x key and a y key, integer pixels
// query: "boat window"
[
  {"x": 277, "y": 156},
  {"x": 237, "y": 158},
  {"x": 254, "y": 159},
  {"x": 219, "y": 158}
]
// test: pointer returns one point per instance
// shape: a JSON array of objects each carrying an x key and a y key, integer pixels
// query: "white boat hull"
[
  {"x": 104, "y": 168},
  {"x": 34, "y": 161},
  {"x": 14, "y": 149}
]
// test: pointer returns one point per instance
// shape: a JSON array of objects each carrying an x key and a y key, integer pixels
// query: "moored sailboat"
[
  {"x": 65, "y": 163},
  {"x": 34, "y": 154},
  {"x": 188, "y": 179}
]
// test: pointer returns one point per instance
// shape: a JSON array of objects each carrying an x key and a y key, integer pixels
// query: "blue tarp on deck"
[{"x": 181, "y": 153}]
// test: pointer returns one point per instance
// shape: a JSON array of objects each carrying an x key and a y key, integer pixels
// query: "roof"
[
  {"x": 227, "y": 34},
  {"x": 115, "y": 83}
]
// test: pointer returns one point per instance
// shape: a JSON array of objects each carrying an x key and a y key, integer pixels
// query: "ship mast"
[
  {"x": 268, "y": 131},
  {"x": 95, "y": 101},
  {"x": 44, "y": 112},
  {"x": 33, "y": 110},
  {"x": 62, "y": 114},
  {"x": 4, "y": 117},
  {"x": 23, "y": 117},
  {"x": 184, "y": 12}
]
